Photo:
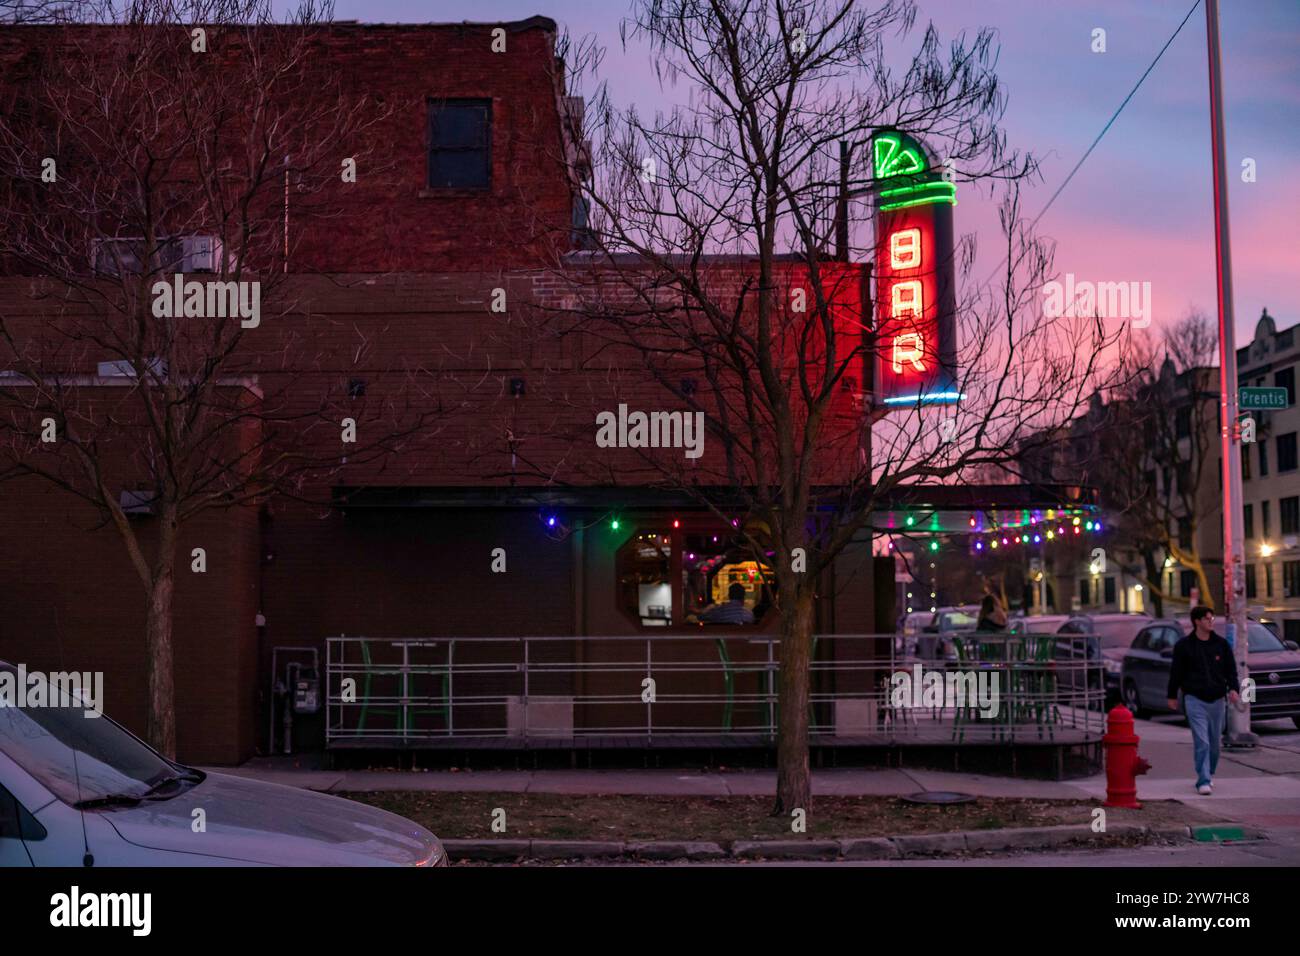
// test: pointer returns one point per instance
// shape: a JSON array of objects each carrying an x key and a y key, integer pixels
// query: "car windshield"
[
  {"x": 1262, "y": 640},
  {"x": 1118, "y": 633},
  {"x": 108, "y": 760},
  {"x": 957, "y": 621}
]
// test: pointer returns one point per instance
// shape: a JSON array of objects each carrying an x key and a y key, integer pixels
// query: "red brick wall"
[
  {"x": 71, "y": 600},
  {"x": 387, "y": 220}
]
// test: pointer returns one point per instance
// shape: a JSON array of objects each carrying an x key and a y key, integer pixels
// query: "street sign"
[{"x": 1264, "y": 398}]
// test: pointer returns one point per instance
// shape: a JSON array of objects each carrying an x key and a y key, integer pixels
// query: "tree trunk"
[
  {"x": 793, "y": 778},
  {"x": 1154, "y": 583},
  {"x": 161, "y": 725},
  {"x": 1203, "y": 582}
]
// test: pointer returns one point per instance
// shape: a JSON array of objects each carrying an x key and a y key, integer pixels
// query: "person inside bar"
[{"x": 732, "y": 611}]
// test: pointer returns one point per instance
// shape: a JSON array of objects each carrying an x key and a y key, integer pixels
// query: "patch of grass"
[{"x": 722, "y": 819}]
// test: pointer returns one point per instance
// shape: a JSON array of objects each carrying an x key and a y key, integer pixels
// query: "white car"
[{"x": 121, "y": 803}]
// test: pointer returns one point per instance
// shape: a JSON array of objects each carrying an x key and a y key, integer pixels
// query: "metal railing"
[{"x": 635, "y": 690}]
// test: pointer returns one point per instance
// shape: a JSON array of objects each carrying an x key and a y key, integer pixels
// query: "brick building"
[{"x": 476, "y": 197}]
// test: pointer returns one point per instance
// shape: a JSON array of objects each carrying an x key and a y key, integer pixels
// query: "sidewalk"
[{"x": 1258, "y": 788}]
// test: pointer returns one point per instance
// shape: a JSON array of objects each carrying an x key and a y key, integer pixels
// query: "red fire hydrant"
[{"x": 1122, "y": 761}]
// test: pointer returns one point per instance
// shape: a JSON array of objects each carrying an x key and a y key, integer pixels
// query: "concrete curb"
[{"x": 907, "y": 846}]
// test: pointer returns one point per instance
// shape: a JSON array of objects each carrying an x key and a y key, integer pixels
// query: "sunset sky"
[{"x": 1140, "y": 208}]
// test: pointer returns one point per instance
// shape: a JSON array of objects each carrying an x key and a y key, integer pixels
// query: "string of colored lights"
[{"x": 1031, "y": 528}]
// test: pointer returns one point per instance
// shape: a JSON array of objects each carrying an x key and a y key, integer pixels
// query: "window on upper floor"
[
  {"x": 1286, "y": 452},
  {"x": 1289, "y": 511},
  {"x": 460, "y": 144},
  {"x": 1285, "y": 378},
  {"x": 1291, "y": 579},
  {"x": 1248, "y": 520}
]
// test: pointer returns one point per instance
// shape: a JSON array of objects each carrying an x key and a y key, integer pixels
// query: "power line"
[
  {"x": 1110, "y": 122},
  {"x": 1115, "y": 115}
]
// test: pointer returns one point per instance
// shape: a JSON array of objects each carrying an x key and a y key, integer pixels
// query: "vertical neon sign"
[{"x": 916, "y": 341}]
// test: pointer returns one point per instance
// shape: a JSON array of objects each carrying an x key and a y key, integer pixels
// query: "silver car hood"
[{"x": 266, "y": 823}]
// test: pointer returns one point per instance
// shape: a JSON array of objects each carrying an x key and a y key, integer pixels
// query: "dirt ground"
[{"x": 719, "y": 819}]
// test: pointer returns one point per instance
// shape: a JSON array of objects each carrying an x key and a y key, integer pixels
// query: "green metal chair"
[
  {"x": 403, "y": 715},
  {"x": 1042, "y": 682},
  {"x": 772, "y": 707},
  {"x": 729, "y": 672},
  {"x": 971, "y": 652}
]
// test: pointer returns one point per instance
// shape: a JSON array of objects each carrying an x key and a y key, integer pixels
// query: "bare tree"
[
  {"x": 125, "y": 138},
  {"x": 685, "y": 296},
  {"x": 1157, "y": 452}
]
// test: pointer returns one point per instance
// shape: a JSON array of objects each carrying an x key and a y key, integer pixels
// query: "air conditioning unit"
[
  {"x": 194, "y": 253},
  {"x": 112, "y": 257},
  {"x": 137, "y": 502},
  {"x": 199, "y": 253},
  {"x": 125, "y": 369}
]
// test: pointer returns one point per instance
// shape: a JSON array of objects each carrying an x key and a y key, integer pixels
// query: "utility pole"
[{"x": 1234, "y": 574}]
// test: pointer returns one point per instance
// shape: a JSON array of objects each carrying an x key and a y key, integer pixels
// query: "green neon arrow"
[{"x": 893, "y": 159}]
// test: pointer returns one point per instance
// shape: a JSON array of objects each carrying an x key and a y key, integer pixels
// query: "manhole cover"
[{"x": 939, "y": 796}]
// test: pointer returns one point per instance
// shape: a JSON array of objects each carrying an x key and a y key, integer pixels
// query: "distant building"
[
  {"x": 1271, "y": 479},
  {"x": 1271, "y": 485}
]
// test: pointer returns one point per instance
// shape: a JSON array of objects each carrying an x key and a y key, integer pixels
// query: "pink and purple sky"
[{"x": 1140, "y": 209}]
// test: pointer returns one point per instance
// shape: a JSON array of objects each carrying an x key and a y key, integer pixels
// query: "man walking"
[{"x": 1204, "y": 670}]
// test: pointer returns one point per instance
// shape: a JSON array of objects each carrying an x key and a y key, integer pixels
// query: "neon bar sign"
[{"x": 915, "y": 292}]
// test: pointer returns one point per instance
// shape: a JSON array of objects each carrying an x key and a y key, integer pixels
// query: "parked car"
[
  {"x": 909, "y": 628},
  {"x": 121, "y": 803},
  {"x": 1037, "y": 624},
  {"x": 935, "y": 641},
  {"x": 1274, "y": 664},
  {"x": 1102, "y": 638}
]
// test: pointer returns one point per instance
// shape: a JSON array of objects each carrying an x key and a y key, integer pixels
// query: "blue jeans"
[{"x": 1206, "y": 721}]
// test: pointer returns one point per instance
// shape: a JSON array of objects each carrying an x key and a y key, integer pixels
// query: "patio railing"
[{"x": 638, "y": 690}]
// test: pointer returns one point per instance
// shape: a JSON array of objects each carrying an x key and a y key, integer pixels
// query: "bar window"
[
  {"x": 723, "y": 583},
  {"x": 460, "y": 144},
  {"x": 670, "y": 576},
  {"x": 645, "y": 577}
]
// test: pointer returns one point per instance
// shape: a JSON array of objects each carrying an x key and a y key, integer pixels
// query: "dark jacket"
[{"x": 1204, "y": 669}]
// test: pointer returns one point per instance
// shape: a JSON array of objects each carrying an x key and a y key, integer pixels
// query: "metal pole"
[
  {"x": 842, "y": 207},
  {"x": 1234, "y": 575}
]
